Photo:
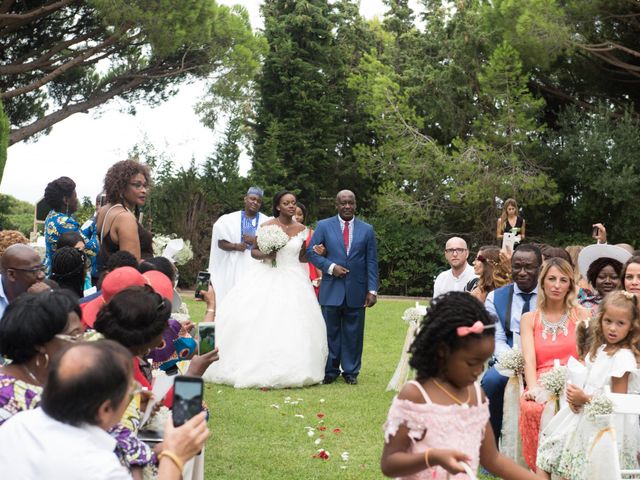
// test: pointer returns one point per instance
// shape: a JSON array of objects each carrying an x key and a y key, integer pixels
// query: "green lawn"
[{"x": 263, "y": 434}]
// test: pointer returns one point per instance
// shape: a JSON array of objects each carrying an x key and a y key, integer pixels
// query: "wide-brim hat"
[{"x": 590, "y": 254}]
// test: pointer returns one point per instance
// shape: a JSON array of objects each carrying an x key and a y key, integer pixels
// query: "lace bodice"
[
  {"x": 446, "y": 426},
  {"x": 288, "y": 256}
]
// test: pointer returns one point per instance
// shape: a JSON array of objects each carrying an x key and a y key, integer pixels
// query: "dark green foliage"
[
  {"x": 409, "y": 255},
  {"x": 16, "y": 214},
  {"x": 4, "y": 139}
]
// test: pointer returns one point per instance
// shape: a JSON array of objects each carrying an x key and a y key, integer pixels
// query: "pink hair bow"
[{"x": 477, "y": 327}]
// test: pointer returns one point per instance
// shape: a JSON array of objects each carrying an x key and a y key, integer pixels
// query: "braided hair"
[
  {"x": 134, "y": 317},
  {"x": 68, "y": 269},
  {"x": 56, "y": 190},
  {"x": 438, "y": 336}
]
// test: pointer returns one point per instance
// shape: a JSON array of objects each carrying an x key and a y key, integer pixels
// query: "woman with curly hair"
[
  {"x": 60, "y": 195},
  {"x": 126, "y": 186},
  {"x": 11, "y": 237},
  {"x": 491, "y": 270}
]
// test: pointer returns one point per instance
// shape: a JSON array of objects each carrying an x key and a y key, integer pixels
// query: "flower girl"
[{"x": 566, "y": 442}]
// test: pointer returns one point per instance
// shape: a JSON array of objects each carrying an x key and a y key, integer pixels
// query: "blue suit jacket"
[{"x": 362, "y": 262}]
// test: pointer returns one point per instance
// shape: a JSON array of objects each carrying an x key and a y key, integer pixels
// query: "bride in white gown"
[{"x": 269, "y": 328}]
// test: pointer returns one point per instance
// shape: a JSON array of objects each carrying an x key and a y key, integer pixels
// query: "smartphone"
[
  {"x": 187, "y": 398},
  {"x": 207, "y": 337},
  {"x": 202, "y": 283}
]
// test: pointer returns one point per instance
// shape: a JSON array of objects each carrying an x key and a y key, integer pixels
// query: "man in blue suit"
[
  {"x": 349, "y": 284},
  {"x": 507, "y": 305}
]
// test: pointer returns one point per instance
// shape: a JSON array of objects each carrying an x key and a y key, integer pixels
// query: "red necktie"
[{"x": 345, "y": 236}]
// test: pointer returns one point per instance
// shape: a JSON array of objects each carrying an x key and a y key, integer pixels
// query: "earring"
[{"x": 46, "y": 361}]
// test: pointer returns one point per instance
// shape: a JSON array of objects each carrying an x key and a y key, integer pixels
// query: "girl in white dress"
[
  {"x": 269, "y": 329},
  {"x": 567, "y": 440}
]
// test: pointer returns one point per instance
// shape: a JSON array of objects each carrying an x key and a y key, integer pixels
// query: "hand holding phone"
[
  {"x": 202, "y": 283},
  {"x": 187, "y": 398},
  {"x": 206, "y": 337}
]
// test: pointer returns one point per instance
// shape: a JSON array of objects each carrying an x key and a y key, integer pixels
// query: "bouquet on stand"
[
  {"x": 553, "y": 382},
  {"x": 271, "y": 239},
  {"x": 511, "y": 364},
  {"x": 412, "y": 316}
]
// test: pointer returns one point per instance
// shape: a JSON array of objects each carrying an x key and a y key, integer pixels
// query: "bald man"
[
  {"x": 21, "y": 269},
  {"x": 460, "y": 273},
  {"x": 349, "y": 285}
]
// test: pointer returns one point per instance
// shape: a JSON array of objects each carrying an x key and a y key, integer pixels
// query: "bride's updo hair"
[
  {"x": 276, "y": 201},
  {"x": 134, "y": 317}
]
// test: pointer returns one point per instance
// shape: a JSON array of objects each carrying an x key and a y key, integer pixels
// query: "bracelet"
[
  {"x": 426, "y": 457},
  {"x": 211, "y": 310},
  {"x": 174, "y": 458}
]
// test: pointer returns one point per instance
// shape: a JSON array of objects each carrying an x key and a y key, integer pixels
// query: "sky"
[{"x": 85, "y": 145}]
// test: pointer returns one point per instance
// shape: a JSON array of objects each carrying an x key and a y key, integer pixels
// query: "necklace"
[
  {"x": 552, "y": 328},
  {"x": 31, "y": 375},
  {"x": 465, "y": 404},
  {"x": 286, "y": 227}
]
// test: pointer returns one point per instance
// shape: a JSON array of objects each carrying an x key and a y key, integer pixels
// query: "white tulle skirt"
[{"x": 270, "y": 331}]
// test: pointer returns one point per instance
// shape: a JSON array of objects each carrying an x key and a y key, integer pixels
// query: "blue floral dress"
[{"x": 58, "y": 223}]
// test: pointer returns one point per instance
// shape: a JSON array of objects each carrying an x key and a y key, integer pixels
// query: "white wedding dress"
[{"x": 269, "y": 328}]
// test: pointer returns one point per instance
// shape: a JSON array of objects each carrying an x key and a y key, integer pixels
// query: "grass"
[{"x": 252, "y": 439}]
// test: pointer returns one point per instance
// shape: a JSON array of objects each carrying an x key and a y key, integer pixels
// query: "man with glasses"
[
  {"x": 460, "y": 273},
  {"x": 21, "y": 269}
]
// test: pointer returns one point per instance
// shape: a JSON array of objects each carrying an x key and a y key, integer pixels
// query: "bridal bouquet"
[{"x": 271, "y": 239}]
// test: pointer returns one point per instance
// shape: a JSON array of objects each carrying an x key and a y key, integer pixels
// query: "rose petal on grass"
[
  {"x": 336, "y": 431},
  {"x": 322, "y": 428},
  {"x": 323, "y": 454},
  {"x": 320, "y": 415},
  {"x": 322, "y": 400},
  {"x": 310, "y": 433},
  {"x": 275, "y": 405},
  {"x": 344, "y": 456},
  {"x": 299, "y": 415},
  {"x": 317, "y": 441}
]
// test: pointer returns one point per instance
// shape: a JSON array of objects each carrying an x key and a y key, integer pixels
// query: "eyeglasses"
[
  {"x": 451, "y": 251},
  {"x": 139, "y": 185},
  {"x": 39, "y": 268},
  {"x": 71, "y": 338}
]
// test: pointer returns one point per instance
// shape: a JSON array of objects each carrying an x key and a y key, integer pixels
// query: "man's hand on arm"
[{"x": 339, "y": 271}]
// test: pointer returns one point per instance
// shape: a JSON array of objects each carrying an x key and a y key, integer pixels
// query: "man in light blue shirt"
[{"x": 507, "y": 305}]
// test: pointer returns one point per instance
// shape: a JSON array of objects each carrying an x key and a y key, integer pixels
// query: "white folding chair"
[{"x": 625, "y": 404}]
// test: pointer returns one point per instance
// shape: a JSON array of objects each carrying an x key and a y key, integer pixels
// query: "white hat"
[{"x": 590, "y": 254}]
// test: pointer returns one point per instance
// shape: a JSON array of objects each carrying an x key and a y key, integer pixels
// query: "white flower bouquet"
[
  {"x": 553, "y": 381},
  {"x": 511, "y": 362},
  {"x": 184, "y": 255},
  {"x": 412, "y": 315},
  {"x": 271, "y": 239},
  {"x": 599, "y": 405}
]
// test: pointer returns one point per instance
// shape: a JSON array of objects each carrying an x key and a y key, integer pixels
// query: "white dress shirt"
[
  {"x": 35, "y": 446},
  {"x": 447, "y": 282},
  {"x": 516, "y": 312}
]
